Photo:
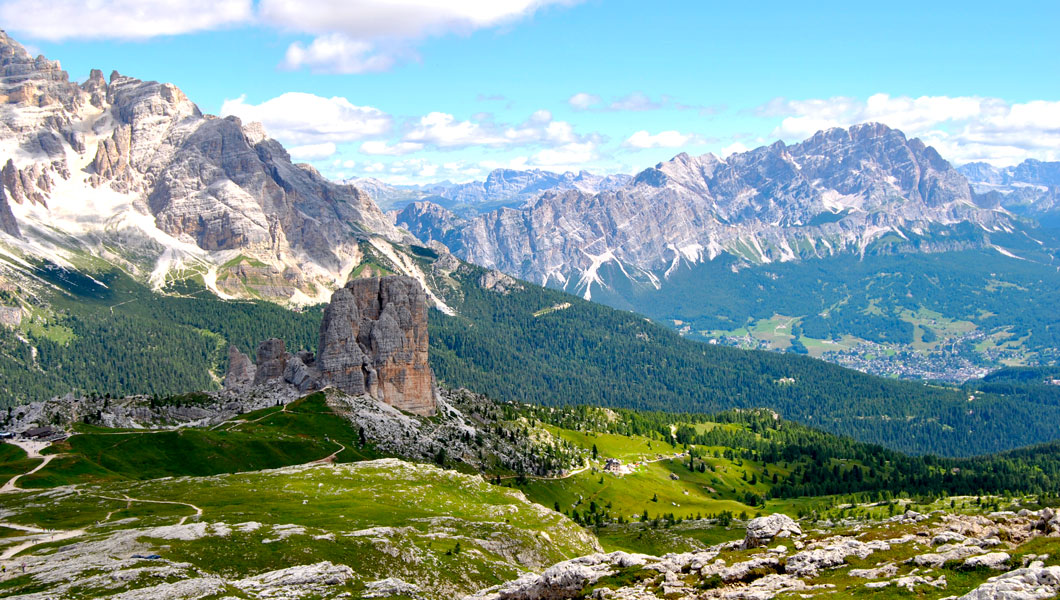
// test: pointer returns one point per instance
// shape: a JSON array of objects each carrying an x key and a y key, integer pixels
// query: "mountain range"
[
  {"x": 841, "y": 191},
  {"x": 787, "y": 240},
  {"x": 1030, "y": 188},
  {"x": 502, "y": 187}
]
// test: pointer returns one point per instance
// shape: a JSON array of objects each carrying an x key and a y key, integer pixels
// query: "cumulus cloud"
[
  {"x": 635, "y": 102},
  {"x": 355, "y": 36},
  {"x": 664, "y": 139},
  {"x": 337, "y": 53},
  {"x": 961, "y": 128},
  {"x": 306, "y": 119},
  {"x": 584, "y": 101},
  {"x": 443, "y": 130},
  {"x": 733, "y": 148},
  {"x": 568, "y": 157},
  {"x": 313, "y": 151},
  {"x": 56, "y": 20},
  {"x": 380, "y": 147}
]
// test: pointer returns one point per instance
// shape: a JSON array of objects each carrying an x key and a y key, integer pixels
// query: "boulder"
[
  {"x": 1032, "y": 583},
  {"x": 300, "y": 373},
  {"x": 762, "y": 530},
  {"x": 993, "y": 560},
  {"x": 1048, "y": 522}
]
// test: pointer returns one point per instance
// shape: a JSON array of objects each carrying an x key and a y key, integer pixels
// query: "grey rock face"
[
  {"x": 241, "y": 371},
  {"x": 373, "y": 340},
  {"x": 271, "y": 362},
  {"x": 300, "y": 373},
  {"x": 836, "y": 192},
  {"x": 8, "y": 224},
  {"x": 1031, "y": 187}
]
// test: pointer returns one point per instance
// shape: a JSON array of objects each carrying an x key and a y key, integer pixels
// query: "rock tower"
[{"x": 373, "y": 341}]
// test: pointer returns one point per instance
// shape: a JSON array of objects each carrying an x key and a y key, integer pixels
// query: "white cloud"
[
  {"x": 380, "y": 147},
  {"x": 568, "y": 157},
  {"x": 663, "y": 139},
  {"x": 638, "y": 101},
  {"x": 303, "y": 119},
  {"x": 313, "y": 151},
  {"x": 443, "y": 130},
  {"x": 396, "y": 18},
  {"x": 337, "y": 53},
  {"x": 961, "y": 128},
  {"x": 362, "y": 35},
  {"x": 583, "y": 101},
  {"x": 733, "y": 148},
  {"x": 123, "y": 19},
  {"x": 635, "y": 102}
]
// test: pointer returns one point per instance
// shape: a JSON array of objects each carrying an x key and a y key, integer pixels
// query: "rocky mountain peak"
[
  {"x": 373, "y": 340},
  {"x": 93, "y": 160},
  {"x": 19, "y": 66}
]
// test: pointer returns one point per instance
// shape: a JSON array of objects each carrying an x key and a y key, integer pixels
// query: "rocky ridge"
[
  {"x": 1030, "y": 188},
  {"x": 502, "y": 187},
  {"x": 841, "y": 191}
]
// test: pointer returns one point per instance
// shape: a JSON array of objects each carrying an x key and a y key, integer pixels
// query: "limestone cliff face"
[
  {"x": 240, "y": 370},
  {"x": 373, "y": 340}
]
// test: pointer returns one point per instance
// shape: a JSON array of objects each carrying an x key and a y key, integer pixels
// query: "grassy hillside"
[
  {"x": 300, "y": 432},
  {"x": 683, "y": 479},
  {"x": 437, "y": 529}
]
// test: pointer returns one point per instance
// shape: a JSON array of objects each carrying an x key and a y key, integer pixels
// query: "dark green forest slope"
[{"x": 531, "y": 344}]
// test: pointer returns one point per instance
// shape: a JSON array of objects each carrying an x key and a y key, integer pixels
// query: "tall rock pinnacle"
[{"x": 373, "y": 340}]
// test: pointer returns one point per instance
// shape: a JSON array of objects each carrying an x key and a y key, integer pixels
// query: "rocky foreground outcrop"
[
  {"x": 373, "y": 341},
  {"x": 777, "y": 559}
]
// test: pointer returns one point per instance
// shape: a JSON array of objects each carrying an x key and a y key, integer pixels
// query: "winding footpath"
[
  {"x": 32, "y": 451},
  {"x": 45, "y": 536},
  {"x": 129, "y": 500}
]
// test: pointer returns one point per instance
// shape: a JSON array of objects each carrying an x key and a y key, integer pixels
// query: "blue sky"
[{"x": 418, "y": 90}]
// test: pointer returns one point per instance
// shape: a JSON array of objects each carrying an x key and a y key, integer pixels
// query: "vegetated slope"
[
  {"x": 103, "y": 332},
  {"x": 675, "y": 467},
  {"x": 528, "y": 344},
  {"x": 510, "y": 347},
  {"x": 870, "y": 297},
  {"x": 300, "y": 432}
]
